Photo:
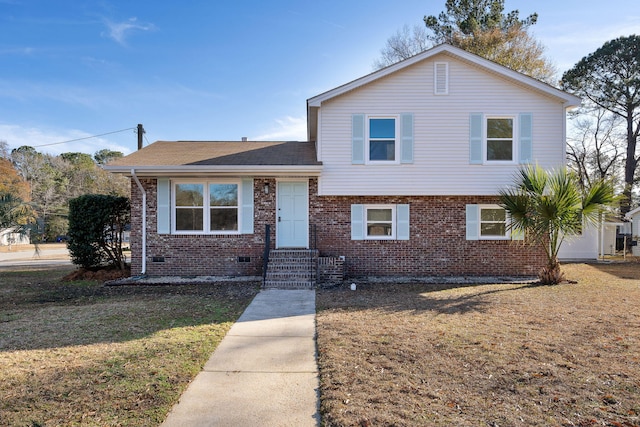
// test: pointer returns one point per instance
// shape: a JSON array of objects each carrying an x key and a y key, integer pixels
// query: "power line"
[{"x": 86, "y": 137}]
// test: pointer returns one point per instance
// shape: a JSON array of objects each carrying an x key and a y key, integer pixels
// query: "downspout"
[
  {"x": 144, "y": 222},
  {"x": 602, "y": 237}
]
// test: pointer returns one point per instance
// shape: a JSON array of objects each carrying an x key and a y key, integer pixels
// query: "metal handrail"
[
  {"x": 312, "y": 248},
  {"x": 265, "y": 254}
]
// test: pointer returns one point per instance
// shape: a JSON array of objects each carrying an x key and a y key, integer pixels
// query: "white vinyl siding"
[{"x": 441, "y": 132}]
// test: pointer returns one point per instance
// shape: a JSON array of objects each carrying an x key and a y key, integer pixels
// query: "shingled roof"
[{"x": 221, "y": 157}]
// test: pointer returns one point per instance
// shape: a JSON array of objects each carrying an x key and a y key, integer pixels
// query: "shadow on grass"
[
  {"x": 38, "y": 311},
  {"x": 629, "y": 269},
  {"x": 417, "y": 297}
]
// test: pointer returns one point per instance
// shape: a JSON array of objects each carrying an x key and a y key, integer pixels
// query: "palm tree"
[{"x": 548, "y": 206}]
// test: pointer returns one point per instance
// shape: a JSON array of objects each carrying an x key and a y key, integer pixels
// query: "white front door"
[{"x": 293, "y": 214}]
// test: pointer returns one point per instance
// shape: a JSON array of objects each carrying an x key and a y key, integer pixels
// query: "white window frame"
[
  {"x": 393, "y": 222},
  {"x": 206, "y": 217},
  {"x": 396, "y": 140},
  {"x": 507, "y": 235},
  {"x": 514, "y": 140}
]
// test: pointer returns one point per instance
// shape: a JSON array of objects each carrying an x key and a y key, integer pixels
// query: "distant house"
[
  {"x": 634, "y": 217},
  {"x": 399, "y": 177},
  {"x": 10, "y": 236},
  {"x": 595, "y": 241}
]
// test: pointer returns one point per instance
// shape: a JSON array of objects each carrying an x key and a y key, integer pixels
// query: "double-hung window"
[
  {"x": 189, "y": 207},
  {"x": 223, "y": 207},
  {"x": 489, "y": 222},
  {"x": 382, "y": 139},
  {"x": 381, "y": 222},
  {"x": 500, "y": 139},
  {"x": 493, "y": 222},
  {"x": 210, "y": 207}
]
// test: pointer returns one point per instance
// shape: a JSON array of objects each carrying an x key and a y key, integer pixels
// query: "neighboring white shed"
[
  {"x": 593, "y": 243},
  {"x": 581, "y": 247},
  {"x": 634, "y": 217}
]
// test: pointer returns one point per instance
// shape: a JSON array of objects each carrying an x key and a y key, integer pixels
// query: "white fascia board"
[
  {"x": 217, "y": 170},
  {"x": 569, "y": 100},
  {"x": 632, "y": 212}
]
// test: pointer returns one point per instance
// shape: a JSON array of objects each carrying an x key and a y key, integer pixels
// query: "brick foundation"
[{"x": 437, "y": 245}]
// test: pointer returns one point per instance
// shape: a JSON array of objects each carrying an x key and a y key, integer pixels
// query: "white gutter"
[
  {"x": 233, "y": 170},
  {"x": 144, "y": 222}
]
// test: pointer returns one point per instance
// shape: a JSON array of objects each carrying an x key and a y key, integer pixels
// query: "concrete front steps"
[{"x": 292, "y": 269}]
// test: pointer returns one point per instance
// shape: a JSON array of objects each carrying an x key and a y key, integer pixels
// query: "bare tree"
[
  {"x": 478, "y": 26},
  {"x": 596, "y": 146},
  {"x": 404, "y": 44},
  {"x": 610, "y": 79}
]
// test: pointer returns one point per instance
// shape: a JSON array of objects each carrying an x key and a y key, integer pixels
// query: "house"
[
  {"x": 595, "y": 241},
  {"x": 10, "y": 236},
  {"x": 399, "y": 177},
  {"x": 634, "y": 217}
]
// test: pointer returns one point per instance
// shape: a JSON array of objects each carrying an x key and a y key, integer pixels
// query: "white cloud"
[
  {"x": 54, "y": 141},
  {"x": 286, "y": 129},
  {"x": 119, "y": 31}
]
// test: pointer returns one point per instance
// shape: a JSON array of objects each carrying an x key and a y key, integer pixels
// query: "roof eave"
[{"x": 187, "y": 170}]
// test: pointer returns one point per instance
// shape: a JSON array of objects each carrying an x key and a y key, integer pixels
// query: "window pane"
[
  {"x": 378, "y": 229},
  {"x": 499, "y": 150},
  {"x": 500, "y": 128},
  {"x": 382, "y": 128},
  {"x": 224, "y": 219},
  {"x": 493, "y": 229},
  {"x": 223, "y": 194},
  {"x": 382, "y": 150},
  {"x": 189, "y": 219},
  {"x": 189, "y": 194},
  {"x": 496, "y": 214},
  {"x": 379, "y": 215}
]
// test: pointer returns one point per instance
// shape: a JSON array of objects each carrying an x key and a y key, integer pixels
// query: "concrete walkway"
[{"x": 263, "y": 373}]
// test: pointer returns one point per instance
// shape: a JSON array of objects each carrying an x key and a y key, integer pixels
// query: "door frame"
[{"x": 306, "y": 182}]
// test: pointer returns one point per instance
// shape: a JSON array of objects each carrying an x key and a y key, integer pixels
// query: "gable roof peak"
[{"x": 491, "y": 66}]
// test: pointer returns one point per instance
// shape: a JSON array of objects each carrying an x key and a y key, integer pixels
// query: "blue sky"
[{"x": 219, "y": 70}]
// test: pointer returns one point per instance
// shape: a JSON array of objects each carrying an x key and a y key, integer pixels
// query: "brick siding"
[{"x": 437, "y": 245}]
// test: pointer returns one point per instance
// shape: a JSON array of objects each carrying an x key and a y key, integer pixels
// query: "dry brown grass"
[
  {"x": 83, "y": 354},
  {"x": 487, "y": 355}
]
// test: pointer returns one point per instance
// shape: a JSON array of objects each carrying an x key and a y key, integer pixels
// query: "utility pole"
[{"x": 140, "y": 133}]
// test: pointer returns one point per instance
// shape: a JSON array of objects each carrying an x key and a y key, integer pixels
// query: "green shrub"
[{"x": 96, "y": 227}]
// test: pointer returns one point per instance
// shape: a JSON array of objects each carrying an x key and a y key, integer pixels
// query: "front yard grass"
[
  {"x": 484, "y": 355},
  {"x": 80, "y": 353}
]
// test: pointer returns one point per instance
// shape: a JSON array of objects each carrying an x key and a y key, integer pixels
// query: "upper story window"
[
  {"x": 382, "y": 139},
  {"x": 206, "y": 207},
  {"x": 500, "y": 139}
]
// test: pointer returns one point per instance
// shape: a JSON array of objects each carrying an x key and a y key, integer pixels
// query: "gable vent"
[{"x": 441, "y": 80}]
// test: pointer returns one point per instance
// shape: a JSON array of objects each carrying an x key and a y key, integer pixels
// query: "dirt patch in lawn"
[
  {"x": 98, "y": 274},
  {"x": 486, "y": 355},
  {"x": 80, "y": 353}
]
